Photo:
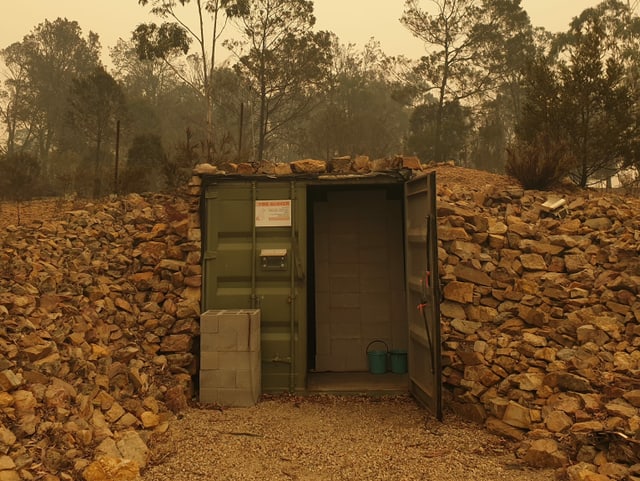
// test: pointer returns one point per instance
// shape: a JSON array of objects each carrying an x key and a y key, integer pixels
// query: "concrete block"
[
  {"x": 227, "y": 378},
  {"x": 208, "y": 360},
  {"x": 208, "y": 395},
  {"x": 322, "y": 270},
  {"x": 398, "y": 302},
  {"x": 343, "y": 223},
  {"x": 373, "y": 255},
  {"x": 345, "y": 269},
  {"x": 343, "y": 239},
  {"x": 234, "y": 360},
  {"x": 378, "y": 330},
  {"x": 396, "y": 265},
  {"x": 321, "y": 215},
  {"x": 230, "y": 368},
  {"x": 375, "y": 303},
  {"x": 349, "y": 330},
  {"x": 239, "y": 323},
  {"x": 254, "y": 332},
  {"x": 375, "y": 285},
  {"x": 245, "y": 379},
  {"x": 209, "y": 322},
  {"x": 344, "y": 284},
  {"x": 369, "y": 270},
  {"x": 345, "y": 300},
  {"x": 323, "y": 309},
  {"x": 236, "y": 332},
  {"x": 323, "y": 339},
  {"x": 256, "y": 367},
  {"x": 226, "y": 340},
  {"x": 376, "y": 314},
  {"x": 340, "y": 316},
  {"x": 208, "y": 342},
  {"x": 250, "y": 379},
  {"x": 209, "y": 378},
  {"x": 323, "y": 299},
  {"x": 344, "y": 346},
  {"x": 322, "y": 256},
  {"x": 373, "y": 234},
  {"x": 217, "y": 378},
  {"x": 340, "y": 255}
]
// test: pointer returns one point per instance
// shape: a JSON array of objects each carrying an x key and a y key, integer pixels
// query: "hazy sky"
[{"x": 354, "y": 21}]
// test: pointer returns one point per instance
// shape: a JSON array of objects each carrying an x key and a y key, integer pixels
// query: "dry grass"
[{"x": 24, "y": 213}]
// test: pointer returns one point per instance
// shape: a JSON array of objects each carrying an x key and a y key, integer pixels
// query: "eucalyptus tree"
[
  {"x": 157, "y": 100},
  {"x": 17, "y": 104},
  {"x": 510, "y": 45},
  {"x": 474, "y": 50},
  {"x": 45, "y": 63},
  {"x": 160, "y": 103},
  {"x": 456, "y": 122},
  {"x": 581, "y": 110},
  {"x": 358, "y": 113},
  {"x": 598, "y": 104},
  {"x": 150, "y": 79},
  {"x": 283, "y": 60},
  {"x": 624, "y": 24},
  {"x": 453, "y": 68},
  {"x": 95, "y": 104},
  {"x": 172, "y": 38}
]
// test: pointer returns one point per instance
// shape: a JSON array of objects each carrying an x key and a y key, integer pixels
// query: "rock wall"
[
  {"x": 541, "y": 322},
  {"x": 98, "y": 314}
]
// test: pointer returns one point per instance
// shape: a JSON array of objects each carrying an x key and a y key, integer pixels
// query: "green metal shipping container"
[{"x": 334, "y": 263}]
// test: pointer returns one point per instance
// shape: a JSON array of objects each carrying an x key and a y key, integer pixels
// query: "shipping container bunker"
[{"x": 333, "y": 263}]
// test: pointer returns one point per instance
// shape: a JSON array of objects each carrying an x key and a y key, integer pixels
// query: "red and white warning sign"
[{"x": 273, "y": 213}]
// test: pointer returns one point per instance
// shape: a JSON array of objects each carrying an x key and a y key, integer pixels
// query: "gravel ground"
[{"x": 332, "y": 438}]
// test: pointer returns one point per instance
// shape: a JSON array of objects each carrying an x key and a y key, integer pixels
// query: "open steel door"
[{"x": 423, "y": 292}]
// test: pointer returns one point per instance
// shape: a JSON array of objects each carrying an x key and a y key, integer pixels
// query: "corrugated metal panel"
[
  {"x": 423, "y": 292},
  {"x": 237, "y": 277}
]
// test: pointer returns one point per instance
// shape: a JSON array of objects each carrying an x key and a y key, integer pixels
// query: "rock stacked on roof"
[{"x": 360, "y": 164}]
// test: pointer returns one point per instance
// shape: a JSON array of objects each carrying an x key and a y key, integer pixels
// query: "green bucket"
[
  {"x": 398, "y": 361},
  {"x": 377, "y": 359}
]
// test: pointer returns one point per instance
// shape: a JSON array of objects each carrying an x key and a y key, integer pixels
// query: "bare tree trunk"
[{"x": 96, "y": 174}]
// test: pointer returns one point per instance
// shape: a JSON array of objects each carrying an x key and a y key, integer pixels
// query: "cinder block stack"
[{"x": 230, "y": 373}]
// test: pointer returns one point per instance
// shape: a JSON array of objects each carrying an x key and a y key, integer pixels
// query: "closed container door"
[{"x": 252, "y": 260}]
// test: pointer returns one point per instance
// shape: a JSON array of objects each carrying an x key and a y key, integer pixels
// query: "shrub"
[
  {"x": 145, "y": 160},
  {"x": 177, "y": 170},
  {"x": 19, "y": 179},
  {"x": 540, "y": 164}
]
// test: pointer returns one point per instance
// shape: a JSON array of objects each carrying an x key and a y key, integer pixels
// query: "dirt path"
[{"x": 332, "y": 438}]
